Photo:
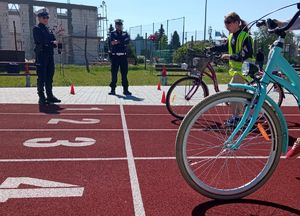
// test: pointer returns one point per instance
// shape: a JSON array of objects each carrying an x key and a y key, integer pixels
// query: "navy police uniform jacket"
[
  {"x": 123, "y": 38},
  {"x": 43, "y": 38}
]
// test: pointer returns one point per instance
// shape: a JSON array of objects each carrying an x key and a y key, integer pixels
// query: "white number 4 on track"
[{"x": 46, "y": 189}]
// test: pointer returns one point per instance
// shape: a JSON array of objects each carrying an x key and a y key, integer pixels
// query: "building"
[{"x": 68, "y": 22}]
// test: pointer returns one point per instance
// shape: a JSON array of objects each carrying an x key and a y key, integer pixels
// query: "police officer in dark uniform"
[
  {"x": 45, "y": 43},
  {"x": 118, "y": 48}
]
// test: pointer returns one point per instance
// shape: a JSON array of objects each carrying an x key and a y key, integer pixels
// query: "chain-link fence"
[{"x": 158, "y": 41}]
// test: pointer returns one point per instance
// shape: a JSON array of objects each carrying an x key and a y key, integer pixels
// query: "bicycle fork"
[
  {"x": 193, "y": 90},
  {"x": 255, "y": 105}
]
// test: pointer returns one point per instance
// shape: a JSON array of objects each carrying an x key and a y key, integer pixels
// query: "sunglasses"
[
  {"x": 228, "y": 22},
  {"x": 45, "y": 17}
]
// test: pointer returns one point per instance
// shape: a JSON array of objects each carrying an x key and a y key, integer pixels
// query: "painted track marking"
[
  {"x": 116, "y": 159},
  {"x": 135, "y": 187}
]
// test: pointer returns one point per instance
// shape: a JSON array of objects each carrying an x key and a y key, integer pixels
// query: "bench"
[
  {"x": 166, "y": 70},
  {"x": 173, "y": 68},
  {"x": 13, "y": 69}
]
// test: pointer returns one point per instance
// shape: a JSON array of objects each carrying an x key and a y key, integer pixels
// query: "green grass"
[{"x": 100, "y": 76}]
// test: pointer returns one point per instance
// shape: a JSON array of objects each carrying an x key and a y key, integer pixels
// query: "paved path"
[{"x": 142, "y": 95}]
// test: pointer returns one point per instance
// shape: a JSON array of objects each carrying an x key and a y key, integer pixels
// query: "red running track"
[{"x": 94, "y": 176}]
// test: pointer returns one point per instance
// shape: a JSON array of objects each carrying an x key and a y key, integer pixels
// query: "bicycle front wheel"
[
  {"x": 209, "y": 165},
  {"x": 184, "y": 94}
]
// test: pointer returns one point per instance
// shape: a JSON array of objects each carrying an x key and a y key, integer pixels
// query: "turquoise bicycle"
[{"x": 230, "y": 161}]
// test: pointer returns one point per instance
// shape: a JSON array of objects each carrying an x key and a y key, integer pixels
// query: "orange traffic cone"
[
  {"x": 72, "y": 89},
  {"x": 163, "y": 98},
  {"x": 158, "y": 86}
]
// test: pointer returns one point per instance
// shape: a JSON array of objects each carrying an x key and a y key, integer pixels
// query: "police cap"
[
  {"x": 43, "y": 12},
  {"x": 119, "y": 22}
]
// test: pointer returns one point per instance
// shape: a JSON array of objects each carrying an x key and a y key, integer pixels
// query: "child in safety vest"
[{"x": 240, "y": 48}]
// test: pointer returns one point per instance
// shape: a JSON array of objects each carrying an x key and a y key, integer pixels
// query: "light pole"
[
  {"x": 106, "y": 24},
  {"x": 104, "y": 17},
  {"x": 205, "y": 16}
]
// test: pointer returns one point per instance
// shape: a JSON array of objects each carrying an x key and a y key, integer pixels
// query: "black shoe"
[
  {"x": 126, "y": 92},
  {"x": 112, "y": 92},
  {"x": 42, "y": 101},
  {"x": 53, "y": 99},
  {"x": 232, "y": 121}
]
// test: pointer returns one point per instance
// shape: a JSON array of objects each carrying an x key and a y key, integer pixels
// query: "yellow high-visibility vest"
[{"x": 235, "y": 66}]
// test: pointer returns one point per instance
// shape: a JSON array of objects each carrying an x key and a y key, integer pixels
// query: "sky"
[{"x": 145, "y": 12}]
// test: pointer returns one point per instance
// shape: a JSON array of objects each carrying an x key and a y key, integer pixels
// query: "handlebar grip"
[
  {"x": 271, "y": 24},
  {"x": 261, "y": 23}
]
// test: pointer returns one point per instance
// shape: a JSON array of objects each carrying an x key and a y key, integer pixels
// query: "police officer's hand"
[
  {"x": 225, "y": 56},
  {"x": 55, "y": 42},
  {"x": 114, "y": 42}
]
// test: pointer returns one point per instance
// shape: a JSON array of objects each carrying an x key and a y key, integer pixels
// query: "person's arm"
[
  {"x": 220, "y": 48},
  {"x": 37, "y": 36},
  {"x": 54, "y": 41},
  {"x": 127, "y": 39},
  {"x": 113, "y": 39},
  {"x": 247, "y": 51}
]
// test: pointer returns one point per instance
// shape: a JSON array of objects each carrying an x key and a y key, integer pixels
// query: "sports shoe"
[{"x": 294, "y": 151}]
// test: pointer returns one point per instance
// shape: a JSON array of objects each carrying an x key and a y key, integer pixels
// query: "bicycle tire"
[
  {"x": 169, "y": 105},
  {"x": 181, "y": 147},
  {"x": 274, "y": 87}
]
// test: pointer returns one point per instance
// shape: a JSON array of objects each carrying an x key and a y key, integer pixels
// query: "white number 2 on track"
[
  {"x": 83, "y": 121},
  {"x": 46, "y": 142}
]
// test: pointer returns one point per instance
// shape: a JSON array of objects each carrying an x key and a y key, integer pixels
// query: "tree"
[
  {"x": 107, "y": 41},
  {"x": 161, "y": 31},
  {"x": 163, "y": 42},
  {"x": 181, "y": 53},
  {"x": 138, "y": 37},
  {"x": 131, "y": 52},
  {"x": 263, "y": 40},
  {"x": 111, "y": 28},
  {"x": 175, "y": 41}
]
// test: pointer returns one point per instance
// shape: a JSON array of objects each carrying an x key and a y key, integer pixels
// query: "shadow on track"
[
  {"x": 247, "y": 206},
  {"x": 129, "y": 97},
  {"x": 53, "y": 109}
]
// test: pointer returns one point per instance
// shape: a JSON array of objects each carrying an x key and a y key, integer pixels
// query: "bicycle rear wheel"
[
  {"x": 275, "y": 91},
  {"x": 212, "y": 168},
  {"x": 184, "y": 94}
]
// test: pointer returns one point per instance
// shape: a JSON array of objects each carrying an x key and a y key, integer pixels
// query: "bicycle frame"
[
  {"x": 275, "y": 61},
  {"x": 213, "y": 76}
]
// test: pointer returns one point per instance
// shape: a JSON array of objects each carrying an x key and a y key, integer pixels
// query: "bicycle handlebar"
[
  {"x": 272, "y": 26},
  {"x": 205, "y": 53},
  {"x": 289, "y": 25}
]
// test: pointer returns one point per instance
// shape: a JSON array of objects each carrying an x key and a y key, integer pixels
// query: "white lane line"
[
  {"x": 60, "y": 130},
  {"x": 85, "y": 109},
  {"x": 63, "y": 159},
  {"x": 117, "y": 114},
  {"x": 104, "y": 130},
  {"x": 63, "y": 114},
  {"x": 125, "y": 159},
  {"x": 98, "y": 113},
  {"x": 135, "y": 187}
]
